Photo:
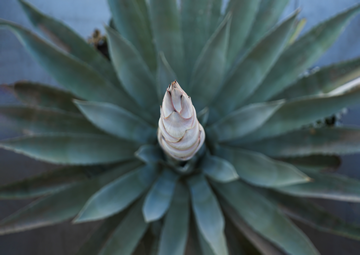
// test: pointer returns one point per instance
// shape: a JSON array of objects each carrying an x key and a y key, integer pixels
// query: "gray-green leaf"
[
  {"x": 218, "y": 169},
  {"x": 165, "y": 76}
]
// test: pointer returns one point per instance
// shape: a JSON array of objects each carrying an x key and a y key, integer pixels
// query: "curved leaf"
[
  {"x": 305, "y": 142},
  {"x": 315, "y": 162},
  {"x": 260, "y": 170},
  {"x": 302, "y": 54},
  {"x": 265, "y": 218},
  {"x": 268, "y": 15},
  {"x": 70, "y": 42},
  {"x": 45, "y": 121},
  {"x": 324, "y": 80},
  {"x": 250, "y": 72},
  {"x": 313, "y": 215},
  {"x": 175, "y": 231},
  {"x": 298, "y": 113},
  {"x": 117, "y": 195},
  {"x": 167, "y": 34},
  {"x": 41, "y": 95},
  {"x": 218, "y": 169},
  {"x": 132, "y": 71},
  {"x": 299, "y": 26},
  {"x": 243, "y": 121},
  {"x": 158, "y": 199},
  {"x": 117, "y": 121},
  {"x": 208, "y": 214},
  {"x": 74, "y": 75},
  {"x": 130, "y": 17},
  {"x": 210, "y": 66},
  {"x": 243, "y": 16},
  {"x": 126, "y": 236},
  {"x": 60, "y": 206},
  {"x": 150, "y": 154},
  {"x": 165, "y": 76},
  {"x": 72, "y": 149},
  {"x": 198, "y": 22}
]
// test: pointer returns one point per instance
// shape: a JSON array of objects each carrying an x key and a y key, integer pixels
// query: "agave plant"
[{"x": 231, "y": 154}]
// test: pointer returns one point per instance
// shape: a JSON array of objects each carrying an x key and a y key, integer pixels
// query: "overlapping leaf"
[
  {"x": 165, "y": 75},
  {"x": 218, "y": 169}
]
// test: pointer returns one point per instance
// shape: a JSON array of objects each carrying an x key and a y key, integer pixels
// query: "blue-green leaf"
[
  {"x": 70, "y": 42},
  {"x": 45, "y": 121},
  {"x": 198, "y": 22},
  {"x": 41, "y": 95},
  {"x": 117, "y": 195},
  {"x": 73, "y": 74},
  {"x": 330, "y": 141},
  {"x": 158, "y": 199},
  {"x": 313, "y": 215},
  {"x": 60, "y": 206},
  {"x": 117, "y": 121},
  {"x": 260, "y": 170},
  {"x": 295, "y": 114},
  {"x": 72, "y": 149},
  {"x": 218, "y": 169},
  {"x": 326, "y": 186},
  {"x": 127, "y": 235},
  {"x": 301, "y": 55},
  {"x": 204, "y": 245},
  {"x": 243, "y": 15},
  {"x": 324, "y": 80},
  {"x": 266, "y": 18},
  {"x": 165, "y": 76},
  {"x": 203, "y": 116},
  {"x": 209, "y": 218},
  {"x": 210, "y": 66},
  {"x": 150, "y": 154},
  {"x": 175, "y": 231},
  {"x": 299, "y": 26},
  {"x": 166, "y": 27},
  {"x": 251, "y": 71},
  {"x": 131, "y": 19},
  {"x": 265, "y": 218},
  {"x": 132, "y": 71},
  {"x": 315, "y": 162},
  {"x": 243, "y": 121}
]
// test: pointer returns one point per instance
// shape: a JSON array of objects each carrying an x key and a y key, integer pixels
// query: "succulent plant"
[{"x": 222, "y": 176}]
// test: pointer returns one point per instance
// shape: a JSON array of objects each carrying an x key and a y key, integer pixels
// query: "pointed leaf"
[
  {"x": 260, "y": 170},
  {"x": 203, "y": 116},
  {"x": 204, "y": 245},
  {"x": 268, "y": 15},
  {"x": 210, "y": 66},
  {"x": 313, "y": 215},
  {"x": 74, "y": 75},
  {"x": 117, "y": 195},
  {"x": 97, "y": 240},
  {"x": 167, "y": 34},
  {"x": 265, "y": 246},
  {"x": 305, "y": 142},
  {"x": 127, "y": 235},
  {"x": 265, "y": 218},
  {"x": 302, "y": 54},
  {"x": 60, "y": 206},
  {"x": 298, "y": 113},
  {"x": 316, "y": 162},
  {"x": 208, "y": 214},
  {"x": 243, "y": 121},
  {"x": 45, "y": 121},
  {"x": 165, "y": 76},
  {"x": 198, "y": 22},
  {"x": 150, "y": 154},
  {"x": 218, "y": 169},
  {"x": 130, "y": 17},
  {"x": 243, "y": 16},
  {"x": 117, "y": 121},
  {"x": 72, "y": 149},
  {"x": 132, "y": 71},
  {"x": 175, "y": 231},
  {"x": 70, "y": 42},
  {"x": 158, "y": 199},
  {"x": 41, "y": 95},
  {"x": 250, "y": 72},
  {"x": 326, "y": 186},
  {"x": 300, "y": 24},
  {"x": 324, "y": 80}
]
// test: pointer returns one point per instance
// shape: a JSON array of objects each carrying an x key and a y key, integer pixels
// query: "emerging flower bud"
[{"x": 180, "y": 134}]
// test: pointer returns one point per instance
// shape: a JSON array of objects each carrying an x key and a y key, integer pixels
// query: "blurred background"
[{"x": 86, "y": 15}]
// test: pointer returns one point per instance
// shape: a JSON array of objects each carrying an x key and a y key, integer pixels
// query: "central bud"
[{"x": 180, "y": 134}]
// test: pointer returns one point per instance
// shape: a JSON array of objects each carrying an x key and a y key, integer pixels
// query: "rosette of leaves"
[{"x": 261, "y": 160}]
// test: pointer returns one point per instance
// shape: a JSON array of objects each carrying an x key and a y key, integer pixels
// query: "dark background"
[{"x": 85, "y": 15}]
